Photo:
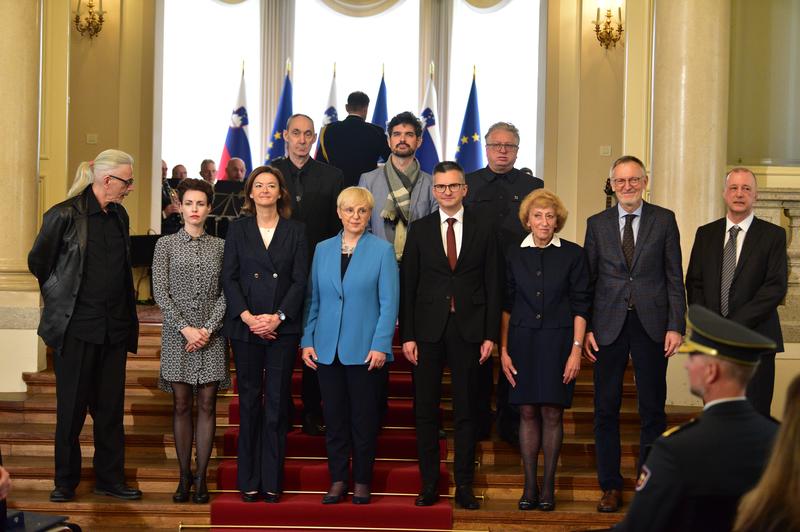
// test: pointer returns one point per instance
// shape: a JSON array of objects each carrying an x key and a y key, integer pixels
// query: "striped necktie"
[{"x": 728, "y": 267}]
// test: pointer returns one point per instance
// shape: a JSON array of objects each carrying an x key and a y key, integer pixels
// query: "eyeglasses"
[
  {"x": 452, "y": 187},
  {"x": 128, "y": 182},
  {"x": 503, "y": 147},
  {"x": 632, "y": 181},
  {"x": 352, "y": 211}
]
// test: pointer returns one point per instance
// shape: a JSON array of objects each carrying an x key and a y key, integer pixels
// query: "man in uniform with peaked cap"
[{"x": 695, "y": 474}]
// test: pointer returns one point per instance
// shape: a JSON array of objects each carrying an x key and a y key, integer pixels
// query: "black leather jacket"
[{"x": 56, "y": 260}]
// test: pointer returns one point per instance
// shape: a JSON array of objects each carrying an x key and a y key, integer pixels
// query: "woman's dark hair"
[
  {"x": 284, "y": 205},
  {"x": 195, "y": 184}
]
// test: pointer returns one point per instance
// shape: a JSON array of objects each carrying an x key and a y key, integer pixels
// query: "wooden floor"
[{"x": 27, "y": 424}]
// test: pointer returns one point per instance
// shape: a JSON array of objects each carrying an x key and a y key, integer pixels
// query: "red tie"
[{"x": 451, "y": 254}]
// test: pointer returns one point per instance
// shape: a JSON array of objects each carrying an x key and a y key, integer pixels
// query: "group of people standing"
[{"x": 468, "y": 263}]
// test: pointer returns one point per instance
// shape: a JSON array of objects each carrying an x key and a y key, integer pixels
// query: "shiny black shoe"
[
  {"x": 272, "y": 497},
  {"x": 361, "y": 499},
  {"x": 466, "y": 499},
  {"x": 250, "y": 497},
  {"x": 61, "y": 494},
  {"x": 312, "y": 425},
  {"x": 335, "y": 496},
  {"x": 547, "y": 506},
  {"x": 428, "y": 497},
  {"x": 184, "y": 487},
  {"x": 526, "y": 503},
  {"x": 119, "y": 491},
  {"x": 200, "y": 495}
]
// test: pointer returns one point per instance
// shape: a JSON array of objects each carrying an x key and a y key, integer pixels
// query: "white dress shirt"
[
  {"x": 529, "y": 242},
  {"x": 744, "y": 226},
  {"x": 622, "y": 213},
  {"x": 458, "y": 228}
]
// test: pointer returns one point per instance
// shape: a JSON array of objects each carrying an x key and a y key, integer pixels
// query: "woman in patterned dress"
[{"x": 186, "y": 285}]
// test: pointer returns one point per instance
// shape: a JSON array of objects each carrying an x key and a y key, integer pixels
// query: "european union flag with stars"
[
  {"x": 276, "y": 146},
  {"x": 469, "y": 153}
]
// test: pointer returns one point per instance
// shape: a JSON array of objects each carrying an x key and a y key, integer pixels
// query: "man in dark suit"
[
  {"x": 638, "y": 311},
  {"x": 353, "y": 145},
  {"x": 496, "y": 192},
  {"x": 695, "y": 474},
  {"x": 314, "y": 187},
  {"x": 449, "y": 313},
  {"x": 741, "y": 274}
]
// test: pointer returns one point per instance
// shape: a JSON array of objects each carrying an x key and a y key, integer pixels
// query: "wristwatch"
[
  {"x": 576, "y": 343},
  {"x": 281, "y": 315}
]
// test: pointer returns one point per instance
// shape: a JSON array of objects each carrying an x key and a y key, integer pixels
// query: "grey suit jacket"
[{"x": 655, "y": 280}]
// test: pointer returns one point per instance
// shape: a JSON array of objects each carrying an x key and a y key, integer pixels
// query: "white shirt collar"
[
  {"x": 744, "y": 225},
  {"x": 622, "y": 212},
  {"x": 459, "y": 216},
  {"x": 723, "y": 400},
  {"x": 529, "y": 243}
]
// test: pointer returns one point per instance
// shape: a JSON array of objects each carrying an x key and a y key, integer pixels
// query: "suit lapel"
[
  {"x": 335, "y": 269},
  {"x": 645, "y": 227},
  {"x": 434, "y": 236},
  {"x": 467, "y": 237},
  {"x": 750, "y": 242},
  {"x": 713, "y": 254},
  {"x": 612, "y": 226},
  {"x": 281, "y": 232},
  {"x": 255, "y": 242}
]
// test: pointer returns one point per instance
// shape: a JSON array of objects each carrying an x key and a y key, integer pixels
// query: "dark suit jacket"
[
  {"x": 695, "y": 475},
  {"x": 759, "y": 282},
  {"x": 655, "y": 279},
  {"x": 320, "y": 185},
  {"x": 353, "y": 146},
  {"x": 428, "y": 283},
  {"x": 261, "y": 280}
]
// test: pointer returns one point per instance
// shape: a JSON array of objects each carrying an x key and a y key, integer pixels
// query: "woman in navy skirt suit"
[{"x": 544, "y": 320}]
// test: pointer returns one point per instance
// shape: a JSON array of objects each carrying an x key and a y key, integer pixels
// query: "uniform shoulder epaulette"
[{"x": 678, "y": 428}]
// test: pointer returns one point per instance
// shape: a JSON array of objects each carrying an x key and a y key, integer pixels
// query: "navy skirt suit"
[
  {"x": 545, "y": 289},
  {"x": 264, "y": 281}
]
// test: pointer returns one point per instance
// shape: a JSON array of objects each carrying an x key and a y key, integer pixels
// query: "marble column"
[
  {"x": 690, "y": 111},
  {"x": 19, "y": 155}
]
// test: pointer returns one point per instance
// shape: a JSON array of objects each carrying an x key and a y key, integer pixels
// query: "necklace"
[{"x": 347, "y": 250}]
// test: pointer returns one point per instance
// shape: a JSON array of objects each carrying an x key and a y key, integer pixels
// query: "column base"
[{"x": 23, "y": 350}]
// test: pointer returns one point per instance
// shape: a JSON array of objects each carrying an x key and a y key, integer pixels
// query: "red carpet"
[{"x": 392, "y": 474}]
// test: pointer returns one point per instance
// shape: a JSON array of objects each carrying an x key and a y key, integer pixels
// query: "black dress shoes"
[
  {"x": 184, "y": 487},
  {"x": 528, "y": 503},
  {"x": 361, "y": 494},
  {"x": 336, "y": 493},
  {"x": 250, "y": 497},
  {"x": 428, "y": 497},
  {"x": 120, "y": 491},
  {"x": 547, "y": 506},
  {"x": 200, "y": 495},
  {"x": 466, "y": 499},
  {"x": 61, "y": 494},
  {"x": 272, "y": 497},
  {"x": 312, "y": 425}
]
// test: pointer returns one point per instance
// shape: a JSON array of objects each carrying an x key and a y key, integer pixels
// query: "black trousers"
[
  {"x": 352, "y": 399},
  {"x": 462, "y": 357},
  {"x": 485, "y": 384},
  {"x": 760, "y": 388},
  {"x": 90, "y": 376},
  {"x": 264, "y": 378},
  {"x": 312, "y": 400},
  {"x": 650, "y": 369}
]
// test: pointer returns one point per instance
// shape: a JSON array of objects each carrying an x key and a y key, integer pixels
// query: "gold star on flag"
[
  {"x": 458, "y": 148},
  {"x": 476, "y": 137},
  {"x": 277, "y": 135},
  {"x": 269, "y": 145},
  {"x": 464, "y": 140}
]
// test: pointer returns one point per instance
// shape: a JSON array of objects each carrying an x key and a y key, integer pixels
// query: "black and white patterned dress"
[{"x": 186, "y": 285}]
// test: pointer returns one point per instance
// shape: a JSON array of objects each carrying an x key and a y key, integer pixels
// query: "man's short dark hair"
[
  {"x": 358, "y": 100},
  {"x": 408, "y": 118},
  {"x": 195, "y": 184},
  {"x": 446, "y": 166}
]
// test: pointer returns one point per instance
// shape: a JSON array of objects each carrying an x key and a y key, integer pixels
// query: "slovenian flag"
[
  {"x": 237, "y": 143},
  {"x": 330, "y": 116},
  {"x": 469, "y": 153},
  {"x": 276, "y": 146},
  {"x": 380, "y": 115},
  {"x": 429, "y": 152}
]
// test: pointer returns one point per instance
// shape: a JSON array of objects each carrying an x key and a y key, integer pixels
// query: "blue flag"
[
  {"x": 469, "y": 153},
  {"x": 380, "y": 115},
  {"x": 237, "y": 143},
  {"x": 276, "y": 146},
  {"x": 429, "y": 153}
]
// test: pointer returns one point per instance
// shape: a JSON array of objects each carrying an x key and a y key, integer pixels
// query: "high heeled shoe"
[
  {"x": 184, "y": 487},
  {"x": 547, "y": 506},
  {"x": 361, "y": 499},
  {"x": 200, "y": 495},
  {"x": 331, "y": 498},
  {"x": 528, "y": 503}
]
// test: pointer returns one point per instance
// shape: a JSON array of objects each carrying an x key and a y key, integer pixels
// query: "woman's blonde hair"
[
  {"x": 102, "y": 165},
  {"x": 543, "y": 199},
  {"x": 771, "y": 506},
  {"x": 355, "y": 196}
]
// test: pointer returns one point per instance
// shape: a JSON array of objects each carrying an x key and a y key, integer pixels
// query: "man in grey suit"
[
  {"x": 402, "y": 191},
  {"x": 638, "y": 311}
]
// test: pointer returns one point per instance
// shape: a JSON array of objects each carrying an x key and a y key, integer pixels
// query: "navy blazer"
[
  {"x": 759, "y": 281},
  {"x": 263, "y": 280},
  {"x": 357, "y": 314},
  {"x": 655, "y": 280},
  {"x": 546, "y": 288}
]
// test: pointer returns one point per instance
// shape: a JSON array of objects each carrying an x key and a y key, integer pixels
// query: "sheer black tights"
[
  {"x": 183, "y": 398},
  {"x": 540, "y": 427}
]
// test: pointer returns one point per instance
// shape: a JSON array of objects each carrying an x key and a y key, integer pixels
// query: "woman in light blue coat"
[{"x": 351, "y": 308}]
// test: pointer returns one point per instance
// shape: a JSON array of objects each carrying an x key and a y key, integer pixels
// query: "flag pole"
[
  {"x": 288, "y": 66},
  {"x": 431, "y": 69},
  {"x": 334, "y": 69}
]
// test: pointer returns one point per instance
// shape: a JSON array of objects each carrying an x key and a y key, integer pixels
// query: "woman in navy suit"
[
  {"x": 264, "y": 275},
  {"x": 547, "y": 303},
  {"x": 354, "y": 278}
]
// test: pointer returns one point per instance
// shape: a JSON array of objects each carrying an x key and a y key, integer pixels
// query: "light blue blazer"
[{"x": 355, "y": 315}]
